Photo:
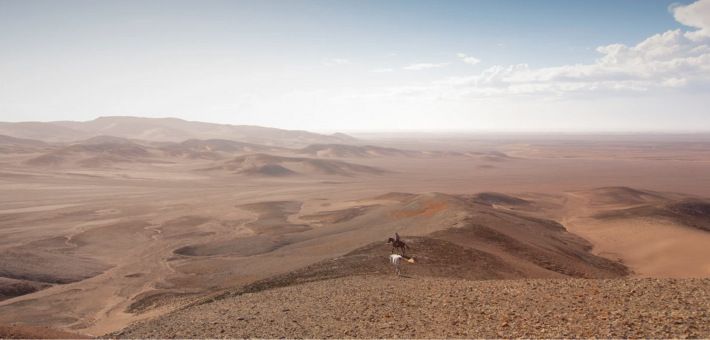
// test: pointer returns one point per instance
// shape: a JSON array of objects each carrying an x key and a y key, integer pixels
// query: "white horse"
[{"x": 396, "y": 260}]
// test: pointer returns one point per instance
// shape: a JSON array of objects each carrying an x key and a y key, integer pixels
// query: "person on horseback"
[{"x": 397, "y": 244}]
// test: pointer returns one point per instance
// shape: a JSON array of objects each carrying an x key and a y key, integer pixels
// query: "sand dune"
[
  {"x": 480, "y": 156},
  {"x": 203, "y": 155},
  {"x": 651, "y": 248},
  {"x": 163, "y": 129},
  {"x": 125, "y": 229},
  {"x": 364, "y": 151},
  {"x": 515, "y": 239},
  {"x": 462, "y": 239},
  {"x": 390, "y": 196},
  {"x": 10, "y": 288},
  {"x": 500, "y": 199},
  {"x": 107, "y": 139},
  {"x": 48, "y": 267},
  {"x": 119, "y": 149},
  {"x": 269, "y": 165},
  {"x": 240, "y": 247},
  {"x": 48, "y": 132},
  {"x": 494, "y": 156},
  {"x": 194, "y": 155},
  {"x": 177, "y": 130},
  {"x": 269, "y": 170},
  {"x": 93, "y": 155},
  {"x": 223, "y": 145},
  {"x": 345, "y": 138},
  {"x": 272, "y": 218},
  {"x": 213, "y": 149},
  {"x": 50, "y": 159},
  {"x": 19, "y": 146},
  {"x": 651, "y": 232},
  {"x": 131, "y": 127},
  {"x": 345, "y": 151},
  {"x": 334, "y": 216},
  {"x": 620, "y": 195},
  {"x": 19, "y": 141},
  {"x": 691, "y": 212},
  {"x": 102, "y": 161},
  {"x": 442, "y": 254}
]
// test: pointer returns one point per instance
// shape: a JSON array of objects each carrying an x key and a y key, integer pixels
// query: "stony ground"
[
  {"x": 30, "y": 332},
  {"x": 383, "y": 306}
]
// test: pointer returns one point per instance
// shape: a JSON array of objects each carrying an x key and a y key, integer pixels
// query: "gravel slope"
[
  {"x": 31, "y": 332},
  {"x": 383, "y": 306}
]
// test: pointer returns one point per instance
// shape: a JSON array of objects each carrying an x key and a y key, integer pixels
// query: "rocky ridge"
[{"x": 384, "y": 306}]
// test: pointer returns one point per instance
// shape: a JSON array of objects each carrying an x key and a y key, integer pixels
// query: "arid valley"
[{"x": 137, "y": 227}]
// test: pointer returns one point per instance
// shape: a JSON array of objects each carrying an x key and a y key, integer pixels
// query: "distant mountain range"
[
  {"x": 116, "y": 142},
  {"x": 164, "y": 129}
]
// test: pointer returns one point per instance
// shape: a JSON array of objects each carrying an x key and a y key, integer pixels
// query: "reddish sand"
[{"x": 101, "y": 234}]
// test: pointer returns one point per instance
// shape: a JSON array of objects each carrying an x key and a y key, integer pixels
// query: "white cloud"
[
  {"x": 634, "y": 87},
  {"x": 333, "y": 62},
  {"x": 468, "y": 60},
  {"x": 672, "y": 61},
  {"x": 416, "y": 67},
  {"x": 695, "y": 15}
]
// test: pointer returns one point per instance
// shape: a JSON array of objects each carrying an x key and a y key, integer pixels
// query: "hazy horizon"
[
  {"x": 432, "y": 132},
  {"x": 518, "y": 147},
  {"x": 367, "y": 66}
]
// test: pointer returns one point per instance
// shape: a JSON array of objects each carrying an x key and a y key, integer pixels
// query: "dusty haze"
[{"x": 123, "y": 219}]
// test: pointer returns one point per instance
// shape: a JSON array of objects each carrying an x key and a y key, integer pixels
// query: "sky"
[{"x": 336, "y": 65}]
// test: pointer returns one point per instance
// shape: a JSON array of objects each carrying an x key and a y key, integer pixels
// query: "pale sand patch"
[
  {"x": 99, "y": 222},
  {"x": 651, "y": 248},
  {"x": 36, "y": 209}
]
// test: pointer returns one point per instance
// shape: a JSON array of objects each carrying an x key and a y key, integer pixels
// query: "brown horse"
[{"x": 397, "y": 245}]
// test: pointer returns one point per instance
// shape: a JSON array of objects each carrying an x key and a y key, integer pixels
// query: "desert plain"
[{"x": 135, "y": 227}]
